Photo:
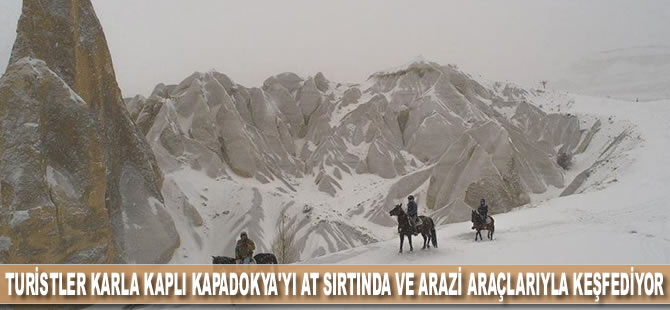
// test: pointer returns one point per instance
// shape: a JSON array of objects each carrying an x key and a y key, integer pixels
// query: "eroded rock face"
[
  {"x": 67, "y": 37},
  {"x": 52, "y": 172},
  {"x": 422, "y": 129},
  {"x": 422, "y": 115}
]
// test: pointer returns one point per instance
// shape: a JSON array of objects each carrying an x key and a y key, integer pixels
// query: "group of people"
[{"x": 245, "y": 247}]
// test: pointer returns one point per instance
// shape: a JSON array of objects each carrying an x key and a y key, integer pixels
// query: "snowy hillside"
[
  {"x": 334, "y": 157},
  {"x": 623, "y": 218},
  {"x": 629, "y": 74},
  {"x": 87, "y": 177}
]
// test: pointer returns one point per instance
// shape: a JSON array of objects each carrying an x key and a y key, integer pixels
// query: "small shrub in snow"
[
  {"x": 284, "y": 246},
  {"x": 307, "y": 209},
  {"x": 564, "y": 160}
]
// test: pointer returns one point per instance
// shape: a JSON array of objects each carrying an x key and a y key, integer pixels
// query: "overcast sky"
[{"x": 524, "y": 41}]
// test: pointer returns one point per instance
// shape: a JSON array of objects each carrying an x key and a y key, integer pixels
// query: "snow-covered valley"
[
  {"x": 87, "y": 176},
  {"x": 622, "y": 220},
  {"x": 617, "y": 205}
]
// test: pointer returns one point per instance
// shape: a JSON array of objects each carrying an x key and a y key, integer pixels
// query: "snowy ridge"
[
  {"x": 335, "y": 157},
  {"x": 618, "y": 217}
]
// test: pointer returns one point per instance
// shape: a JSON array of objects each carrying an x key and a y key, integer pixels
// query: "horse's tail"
[{"x": 433, "y": 233}]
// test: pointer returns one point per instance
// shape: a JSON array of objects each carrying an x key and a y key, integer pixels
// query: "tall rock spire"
[{"x": 114, "y": 171}]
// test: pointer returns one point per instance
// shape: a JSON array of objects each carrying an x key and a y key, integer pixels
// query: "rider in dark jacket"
[
  {"x": 244, "y": 249},
  {"x": 412, "y": 212},
  {"x": 483, "y": 211}
]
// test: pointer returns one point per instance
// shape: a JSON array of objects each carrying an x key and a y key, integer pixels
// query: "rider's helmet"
[
  {"x": 482, "y": 202},
  {"x": 410, "y": 198},
  {"x": 243, "y": 235}
]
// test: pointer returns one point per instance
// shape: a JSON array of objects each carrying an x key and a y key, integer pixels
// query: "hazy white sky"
[{"x": 524, "y": 41}]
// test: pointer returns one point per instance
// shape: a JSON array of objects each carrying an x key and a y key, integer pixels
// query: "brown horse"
[
  {"x": 426, "y": 229},
  {"x": 479, "y": 226}
]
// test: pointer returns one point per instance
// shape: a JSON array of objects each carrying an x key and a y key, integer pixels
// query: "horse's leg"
[
  {"x": 402, "y": 239},
  {"x": 411, "y": 247},
  {"x": 424, "y": 241}
]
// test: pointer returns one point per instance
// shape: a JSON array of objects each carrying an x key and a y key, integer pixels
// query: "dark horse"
[
  {"x": 225, "y": 260},
  {"x": 479, "y": 226},
  {"x": 260, "y": 258},
  {"x": 426, "y": 228},
  {"x": 265, "y": 259}
]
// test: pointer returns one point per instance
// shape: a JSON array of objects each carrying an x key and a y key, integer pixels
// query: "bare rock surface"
[{"x": 91, "y": 154}]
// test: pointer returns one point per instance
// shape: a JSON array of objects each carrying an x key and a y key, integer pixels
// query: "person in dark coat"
[
  {"x": 483, "y": 211},
  {"x": 412, "y": 212},
  {"x": 244, "y": 249}
]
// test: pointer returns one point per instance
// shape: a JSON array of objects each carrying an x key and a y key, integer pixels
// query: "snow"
[
  {"x": 56, "y": 179},
  {"x": 635, "y": 73},
  {"x": 624, "y": 221},
  {"x": 347, "y": 227},
  {"x": 341, "y": 112},
  {"x": 19, "y": 217}
]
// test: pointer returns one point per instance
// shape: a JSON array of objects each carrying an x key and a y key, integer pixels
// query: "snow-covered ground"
[
  {"x": 623, "y": 218},
  {"x": 628, "y": 73}
]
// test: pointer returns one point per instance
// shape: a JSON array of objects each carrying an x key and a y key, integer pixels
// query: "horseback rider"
[
  {"x": 483, "y": 210},
  {"x": 412, "y": 212},
  {"x": 244, "y": 249}
]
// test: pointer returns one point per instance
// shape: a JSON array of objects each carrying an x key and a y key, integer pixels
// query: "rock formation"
[
  {"x": 74, "y": 162},
  {"x": 422, "y": 128}
]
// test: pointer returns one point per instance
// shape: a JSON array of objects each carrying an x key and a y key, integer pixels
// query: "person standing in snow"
[
  {"x": 244, "y": 250},
  {"x": 483, "y": 211},
  {"x": 412, "y": 212}
]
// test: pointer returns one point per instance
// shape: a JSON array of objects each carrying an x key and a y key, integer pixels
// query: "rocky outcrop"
[
  {"x": 67, "y": 39},
  {"x": 52, "y": 172},
  {"x": 321, "y": 82},
  {"x": 422, "y": 129},
  {"x": 309, "y": 98},
  {"x": 419, "y": 115}
]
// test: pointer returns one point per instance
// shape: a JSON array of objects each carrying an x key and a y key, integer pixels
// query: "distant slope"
[
  {"x": 626, "y": 222},
  {"x": 633, "y": 73}
]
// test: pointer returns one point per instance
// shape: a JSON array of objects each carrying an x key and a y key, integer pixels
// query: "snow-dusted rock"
[
  {"x": 288, "y": 80},
  {"x": 327, "y": 184},
  {"x": 288, "y": 107},
  {"x": 351, "y": 96},
  {"x": 309, "y": 98},
  {"x": 321, "y": 82},
  {"x": 422, "y": 129},
  {"x": 68, "y": 38},
  {"x": 52, "y": 172}
]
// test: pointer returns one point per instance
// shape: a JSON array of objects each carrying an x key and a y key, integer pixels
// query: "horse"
[
  {"x": 426, "y": 228},
  {"x": 260, "y": 258},
  {"x": 224, "y": 260},
  {"x": 265, "y": 259},
  {"x": 479, "y": 226}
]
